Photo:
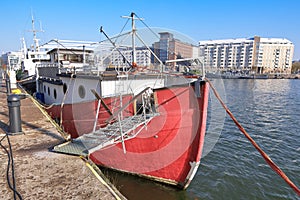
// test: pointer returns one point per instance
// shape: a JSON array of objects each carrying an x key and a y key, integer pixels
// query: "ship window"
[
  {"x": 54, "y": 93},
  {"x": 65, "y": 87},
  {"x": 48, "y": 91},
  {"x": 81, "y": 91}
]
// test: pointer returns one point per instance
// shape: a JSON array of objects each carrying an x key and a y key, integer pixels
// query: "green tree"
[{"x": 296, "y": 67}]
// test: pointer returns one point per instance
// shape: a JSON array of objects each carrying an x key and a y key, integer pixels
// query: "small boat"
[{"x": 142, "y": 120}]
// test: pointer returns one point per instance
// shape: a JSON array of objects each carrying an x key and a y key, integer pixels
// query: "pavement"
[{"x": 40, "y": 173}]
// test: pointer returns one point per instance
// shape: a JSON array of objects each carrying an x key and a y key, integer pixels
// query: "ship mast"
[
  {"x": 133, "y": 36},
  {"x": 133, "y": 40},
  {"x": 36, "y": 46}
]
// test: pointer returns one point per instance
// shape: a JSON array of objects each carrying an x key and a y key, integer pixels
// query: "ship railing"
[
  {"x": 113, "y": 117},
  {"x": 143, "y": 117},
  {"x": 197, "y": 61},
  {"x": 117, "y": 132},
  {"x": 119, "y": 128},
  {"x": 47, "y": 65}
]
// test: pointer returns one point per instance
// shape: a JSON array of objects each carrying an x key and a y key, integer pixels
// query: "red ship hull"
[
  {"x": 78, "y": 119},
  {"x": 168, "y": 149}
]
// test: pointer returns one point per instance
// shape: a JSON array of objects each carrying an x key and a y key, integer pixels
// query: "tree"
[{"x": 296, "y": 67}]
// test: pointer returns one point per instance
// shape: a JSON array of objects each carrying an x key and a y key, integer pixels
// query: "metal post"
[
  {"x": 13, "y": 80},
  {"x": 13, "y": 102},
  {"x": 97, "y": 114},
  {"x": 7, "y": 82}
]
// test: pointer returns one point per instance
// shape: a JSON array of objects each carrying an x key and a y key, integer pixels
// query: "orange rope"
[{"x": 264, "y": 155}]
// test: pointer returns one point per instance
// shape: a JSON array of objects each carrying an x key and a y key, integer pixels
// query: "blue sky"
[{"x": 199, "y": 19}]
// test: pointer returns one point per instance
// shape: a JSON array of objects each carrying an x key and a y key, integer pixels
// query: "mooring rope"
[
  {"x": 264, "y": 155},
  {"x": 95, "y": 170}
]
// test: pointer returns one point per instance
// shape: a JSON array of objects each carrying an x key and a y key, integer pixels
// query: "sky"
[{"x": 198, "y": 19}]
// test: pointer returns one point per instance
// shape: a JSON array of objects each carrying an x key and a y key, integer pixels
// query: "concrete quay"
[{"x": 40, "y": 173}]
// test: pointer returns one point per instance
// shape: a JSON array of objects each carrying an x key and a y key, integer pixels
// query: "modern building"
[
  {"x": 12, "y": 60},
  {"x": 260, "y": 55},
  {"x": 169, "y": 48},
  {"x": 142, "y": 56}
]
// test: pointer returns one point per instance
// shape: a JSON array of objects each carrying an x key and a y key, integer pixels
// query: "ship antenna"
[
  {"x": 132, "y": 17},
  {"x": 35, "y": 40}
]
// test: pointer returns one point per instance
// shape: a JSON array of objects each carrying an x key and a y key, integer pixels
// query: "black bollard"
[
  {"x": 8, "y": 88},
  {"x": 13, "y": 102}
]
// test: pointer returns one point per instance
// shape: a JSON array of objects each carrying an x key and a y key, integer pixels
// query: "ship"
[{"x": 145, "y": 120}]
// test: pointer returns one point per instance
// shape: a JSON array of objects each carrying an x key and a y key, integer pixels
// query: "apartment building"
[
  {"x": 12, "y": 60},
  {"x": 260, "y": 55},
  {"x": 142, "y": 56},
  {"x": 170, "y": 48},
  {"x": 167, "y": 48}
]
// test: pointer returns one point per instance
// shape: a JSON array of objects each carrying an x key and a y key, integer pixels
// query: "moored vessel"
[{"x": 144, "y": 120}]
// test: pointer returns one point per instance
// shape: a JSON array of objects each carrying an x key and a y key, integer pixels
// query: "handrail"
[
  {"x": 126, "y": 105},
  {"x": 102, "y": 101},
  {"x": 196, "y": 60}
]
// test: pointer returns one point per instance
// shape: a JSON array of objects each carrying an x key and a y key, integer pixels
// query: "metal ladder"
[
  {"x": 104, "y": 137},
  {"x": 118, "y": 130}
]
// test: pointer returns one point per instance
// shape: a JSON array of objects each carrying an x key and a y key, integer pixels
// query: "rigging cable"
[
  {"x": 264, "y": 155},
  {"x": 117, "y": 37},
  {"x": 147, "y": 26}
]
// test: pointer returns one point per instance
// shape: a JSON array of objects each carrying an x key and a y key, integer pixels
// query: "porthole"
[
  {"x": 65, "y": 87},
  {"x": 41, "y": 88},
  {"x": 81, "y": 91},
  {"x": 54, "y": 93},
  {"x": 48, "y": 91}
]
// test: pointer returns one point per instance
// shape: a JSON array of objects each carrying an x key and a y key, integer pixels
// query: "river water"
[{"x": 231, "y": 167}]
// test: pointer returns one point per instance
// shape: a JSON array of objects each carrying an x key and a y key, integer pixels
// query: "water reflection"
[{"x": 136, "y": 188}]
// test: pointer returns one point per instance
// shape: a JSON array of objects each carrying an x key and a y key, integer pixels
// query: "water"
[{"x": 270, "y": 112}]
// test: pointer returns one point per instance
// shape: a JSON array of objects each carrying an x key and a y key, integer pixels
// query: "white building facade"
[
  {"x": 143, "y": 57},
  {"x": 261, "y": 55},
  {"x": 13, "y": 60}
]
